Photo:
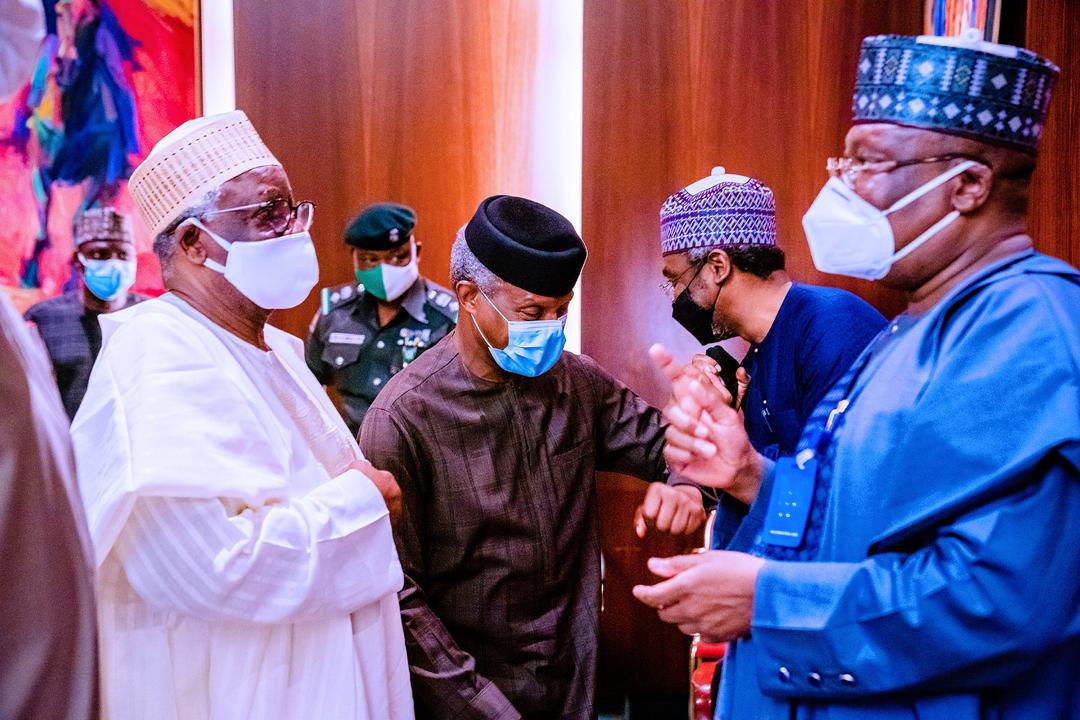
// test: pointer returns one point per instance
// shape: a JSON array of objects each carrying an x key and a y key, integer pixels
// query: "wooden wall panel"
[
  {"x": 1053, "y": 30},
  {"x": 423, "y": 103},
  {"x": 673, "y": 87}
]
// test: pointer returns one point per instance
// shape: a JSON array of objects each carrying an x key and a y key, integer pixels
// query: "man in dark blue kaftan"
[{"x": 725, "y": 273}]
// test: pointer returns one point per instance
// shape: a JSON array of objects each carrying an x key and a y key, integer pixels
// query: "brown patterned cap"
[{"x": 101, "y": 223}]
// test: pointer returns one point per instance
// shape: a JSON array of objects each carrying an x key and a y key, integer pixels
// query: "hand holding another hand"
[{"x": 706, "y": 440}]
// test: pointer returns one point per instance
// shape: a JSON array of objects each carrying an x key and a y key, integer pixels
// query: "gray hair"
[
  {"x": 697, "y": 254},
  {"x": 464, "y": 265},
  {"x": 166, "y": 242}
]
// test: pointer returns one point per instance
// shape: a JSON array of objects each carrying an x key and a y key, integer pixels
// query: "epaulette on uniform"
[
  {"x": 338, "y": 295},
  {"x": 442, "y": 300}
]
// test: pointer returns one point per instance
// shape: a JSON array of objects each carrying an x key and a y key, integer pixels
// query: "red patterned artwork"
[{"x": 113, "y": 77}]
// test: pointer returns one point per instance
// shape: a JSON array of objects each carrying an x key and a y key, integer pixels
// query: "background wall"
[
  {"x": 1053, "y": 30},
  {"x": 422, "y": 103},
  {"x": 433, "y": 104}
]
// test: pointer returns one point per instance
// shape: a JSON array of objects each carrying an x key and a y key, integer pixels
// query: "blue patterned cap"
[
  {"x": 721, "y": 210},
  {"x": 996, "y": 94}
]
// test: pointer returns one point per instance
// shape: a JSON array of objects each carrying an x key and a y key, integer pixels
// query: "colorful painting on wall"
[
  {"x": 112, "y": 78},
  {"x": 954, "y": 17}
]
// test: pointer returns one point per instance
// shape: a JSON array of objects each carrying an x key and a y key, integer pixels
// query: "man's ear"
[
  {"x": 973, "y": 189},
  {"x": 75, "y": 261},
  {"x": 190, "y": 244},
  {"x": 467, "y": 295},
  {"x": 720, "y": 264},
  {"x": 418, "y": 245}
]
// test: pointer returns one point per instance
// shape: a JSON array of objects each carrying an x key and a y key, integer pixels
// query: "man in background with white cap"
[
  {"x": 916, "y": 557},
  {"x": 246, "y": 563},
  {"x": 726, "y": 278},
  {"x": 68, "y": 324}
]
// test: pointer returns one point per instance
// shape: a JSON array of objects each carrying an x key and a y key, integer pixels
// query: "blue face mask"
[
  {"x": 108, "y": 279},
  {"x": 533, "y": 346}
]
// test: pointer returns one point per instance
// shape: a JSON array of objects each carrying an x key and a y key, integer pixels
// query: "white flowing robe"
[{"x": 244, "y": 570}]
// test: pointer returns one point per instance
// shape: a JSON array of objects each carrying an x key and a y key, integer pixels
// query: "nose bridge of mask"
[{"x": 929, "y": 186}]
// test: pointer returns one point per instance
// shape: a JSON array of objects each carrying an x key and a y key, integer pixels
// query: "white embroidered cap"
[{"x": 192, "y": 160}]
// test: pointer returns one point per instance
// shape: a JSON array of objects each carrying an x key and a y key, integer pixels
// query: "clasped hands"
[{"x": 709, "y": 593}]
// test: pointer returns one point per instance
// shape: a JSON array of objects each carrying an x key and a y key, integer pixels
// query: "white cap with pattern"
[{"x": 192, "y": 160}]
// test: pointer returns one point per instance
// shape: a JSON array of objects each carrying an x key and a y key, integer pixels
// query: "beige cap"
[
  {"x": 102, "y": 223},
  {"x": 192, "y": 160}
]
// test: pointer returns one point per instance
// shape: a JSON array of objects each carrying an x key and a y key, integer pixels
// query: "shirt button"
[
  {"x": 784, "y": 674},
  {"x": 894, "y": 328},
  {"x": 339, "y": 360},
  {"x": 380, "y": 344},
  {"x": 376, "y": 382},
  {"x": 847, "y": 679},
  {"x": 814, "y": 679}
]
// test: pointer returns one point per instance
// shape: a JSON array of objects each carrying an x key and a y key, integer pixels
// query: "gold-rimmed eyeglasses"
[
  {"x": 848, "y": 169},
  {"x": 275, "y": 216}
]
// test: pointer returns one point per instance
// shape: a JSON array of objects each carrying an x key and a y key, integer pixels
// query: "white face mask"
[
  {"x": 849, "y": 236},
  {"x": 274, "y": 274}
]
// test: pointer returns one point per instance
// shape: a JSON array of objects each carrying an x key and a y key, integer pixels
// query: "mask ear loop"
[
  {"x": 225, "y": 244},
  {"x": 719, "y": 287},
  {"x": 940, "y": 224},
  {"x": 928, "y": 187},
  {"x": 477, "y": 325}
]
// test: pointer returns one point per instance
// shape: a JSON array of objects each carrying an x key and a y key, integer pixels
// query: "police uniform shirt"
[{"x": 350, "y": 352}]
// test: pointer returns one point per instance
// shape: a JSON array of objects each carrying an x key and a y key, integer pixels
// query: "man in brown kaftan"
[{"x": 494, "y": 435}]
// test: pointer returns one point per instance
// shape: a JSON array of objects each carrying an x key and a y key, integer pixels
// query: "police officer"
[{"x": 365, "y": 333}]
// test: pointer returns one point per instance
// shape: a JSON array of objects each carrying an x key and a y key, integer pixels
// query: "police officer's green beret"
[{"x": 381, "y": 226}]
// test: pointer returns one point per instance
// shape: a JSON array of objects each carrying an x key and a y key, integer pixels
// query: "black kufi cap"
[
  {"x": 527, "y": 244},
  {"x": 382, "y": 226}
]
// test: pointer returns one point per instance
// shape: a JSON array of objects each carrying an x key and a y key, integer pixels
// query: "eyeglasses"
[
  {"x": 847, "y": 169},
  {"x": 668, "y": 286},
  {"x": 276, "y": 216}
]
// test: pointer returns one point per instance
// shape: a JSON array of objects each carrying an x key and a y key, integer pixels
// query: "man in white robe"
[{"x": 246, "y": 567}]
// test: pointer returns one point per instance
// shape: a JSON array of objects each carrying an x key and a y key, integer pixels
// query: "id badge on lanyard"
[
  {"x": 794, "y": 481},
  {"x": 789, "y": 506},
  {"x": 796, "y": 478}
]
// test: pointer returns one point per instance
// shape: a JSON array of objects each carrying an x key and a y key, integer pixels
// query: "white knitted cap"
[{"x": 192, "y": 160}]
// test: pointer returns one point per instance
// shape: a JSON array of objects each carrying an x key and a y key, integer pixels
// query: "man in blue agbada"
[{"x": 918, "y": 556}]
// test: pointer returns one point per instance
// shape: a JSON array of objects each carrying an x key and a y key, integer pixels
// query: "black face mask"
[{"x": 696, "y": 319}]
